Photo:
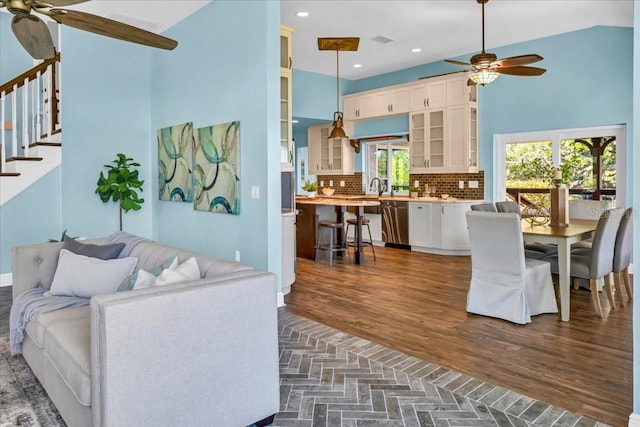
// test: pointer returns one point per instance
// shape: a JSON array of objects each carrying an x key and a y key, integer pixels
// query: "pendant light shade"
[
  {"x": 484, "y": 76},
  {"x": 338, "y": 44}
]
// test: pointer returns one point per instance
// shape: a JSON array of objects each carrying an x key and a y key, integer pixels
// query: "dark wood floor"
[{"x": 415, "y": 303}]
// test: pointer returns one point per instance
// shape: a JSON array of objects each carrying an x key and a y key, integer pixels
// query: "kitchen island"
[{"x": 313, "y": 210}]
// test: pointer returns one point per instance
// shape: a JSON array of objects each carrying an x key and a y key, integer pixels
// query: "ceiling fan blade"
[
  {"x": 522, "y": 71},
  {"x": 515, "y": 61},
  {"x": 57, "y": 3},
  {"x": 110, "y": 28},
  {"x": 34, "y": 36},
  {"x": 453, "y": 61}
]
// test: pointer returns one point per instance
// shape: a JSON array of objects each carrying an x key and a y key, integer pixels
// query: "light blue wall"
[
  {"x": 314, "y": 95},
  {"x": 33, "y": 216},
  {"x": 223, "y": 71},
  {"x": 105, "y": 111},
  {"x": 635, "y": 177}
]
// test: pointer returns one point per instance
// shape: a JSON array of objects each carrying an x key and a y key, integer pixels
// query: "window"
[{"x": 389, "y": 162}]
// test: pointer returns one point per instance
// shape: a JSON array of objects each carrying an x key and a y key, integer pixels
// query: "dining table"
[
  {"x": 563, "y": 237},
  {"x": 343, "y": 203}
]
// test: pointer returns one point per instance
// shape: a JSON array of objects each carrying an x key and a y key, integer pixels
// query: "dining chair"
[
  {"x": 596, "y": 263},
  {"x": 505, "y": 284},
  {"x": 622, "y": 254},
  {"x": 533, "y": 250},
  {"x": 484, "y": 207}
]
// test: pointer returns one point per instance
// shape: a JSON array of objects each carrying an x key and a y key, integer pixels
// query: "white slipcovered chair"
[{"x": 503, "y": 283}]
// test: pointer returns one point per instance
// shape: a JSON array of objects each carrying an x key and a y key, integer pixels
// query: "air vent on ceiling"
[{"x": 382, "y": 39}]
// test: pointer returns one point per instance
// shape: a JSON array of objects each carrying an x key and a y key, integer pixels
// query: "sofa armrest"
[{"x": 209, "y": 349}]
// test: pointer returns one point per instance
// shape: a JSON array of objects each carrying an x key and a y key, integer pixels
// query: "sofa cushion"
[
  {"x": 140, "y": 279},
  {"x": 185, "y": 272},
  {"x": 95, "y": 251},
  {"x": 67, "y": 346},
  {"x": 82, "y": 276},
  {"x": 37, "y": 327}
]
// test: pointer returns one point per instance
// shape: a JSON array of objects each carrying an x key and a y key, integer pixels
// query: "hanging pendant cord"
[
  {"x": 337, "y": 78},
  {"x": 482, "y": 27}
]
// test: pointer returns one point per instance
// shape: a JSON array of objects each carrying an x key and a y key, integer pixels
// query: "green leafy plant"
[
  {"x": 310, "y": 185},
  {"x": 64, "y": 234},
  {"x": 120, "y": 185}
]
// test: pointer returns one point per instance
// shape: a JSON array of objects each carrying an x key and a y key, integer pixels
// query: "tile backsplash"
[{"x": 443, "y": 182}]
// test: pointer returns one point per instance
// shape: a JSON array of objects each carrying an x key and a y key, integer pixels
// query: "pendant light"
[{"x": 338, "y": 44}]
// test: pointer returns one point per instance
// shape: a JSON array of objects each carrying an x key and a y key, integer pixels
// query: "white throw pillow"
[
  {"x": 83, "y": 276},
  {"x": 185, "y": 272},
  {"x": 144, "y": 280}
]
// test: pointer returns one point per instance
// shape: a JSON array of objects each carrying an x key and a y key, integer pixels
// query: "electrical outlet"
[
  {"x": 255, "y": 192},
  {"x": 461, "y": 184},
  {"x": 341, "y": 183},
  {"x": 473, "y": 184},
  {"x": 321, "y": 184},
  {"x": 237, "y": 255},
  {"x": 330, "y": 183}
]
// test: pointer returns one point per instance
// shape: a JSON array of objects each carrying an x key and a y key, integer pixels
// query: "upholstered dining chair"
[
  {"x": 596, "y": 263},
  {"x": 484, "y": 207},
  {"x": 622, "y": 254},
  {"x": 534, "y": 250},
  {"x": 504, "y": 284}
]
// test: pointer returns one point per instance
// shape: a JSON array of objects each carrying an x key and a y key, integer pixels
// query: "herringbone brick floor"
[{"x": 330, "y": 378}]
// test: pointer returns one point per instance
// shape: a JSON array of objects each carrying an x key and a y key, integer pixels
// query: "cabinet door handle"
[
  {"x": 469, "y": 95},
  {"x": 442, "y": 207},
  {"x": 391, "y": 108},
  {"x": 428, "y": 165},
  {"x": 424, "y": 102},
  {"x": 427, "y": 102},
  {"x": 470, "y": 161},
  {"x": 290, "y": 62},
  {"x": 425, "y": 163},
  {"x": 291, "y": 156},
  {"x": 419, "y": 207}
]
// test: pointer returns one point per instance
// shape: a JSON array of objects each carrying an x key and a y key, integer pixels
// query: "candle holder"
[{"x": 559, "y": 207}]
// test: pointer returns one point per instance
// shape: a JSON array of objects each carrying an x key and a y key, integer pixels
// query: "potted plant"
[
  {"x": 310, "y": 187},
  {"x": 120, "y": 184},
  {"x": 413, "y": 192}
]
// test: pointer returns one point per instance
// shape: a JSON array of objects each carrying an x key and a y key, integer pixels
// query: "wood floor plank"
[{"x": 415, "y": 303}]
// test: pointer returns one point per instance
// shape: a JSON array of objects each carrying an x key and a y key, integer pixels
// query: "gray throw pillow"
[{"x": 91, "y": 250}]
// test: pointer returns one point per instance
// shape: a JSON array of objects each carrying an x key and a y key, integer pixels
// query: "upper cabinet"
[
  {"x": 458, "y": 92},
  {"x": 329, "y": 156},
  {"x": 428, "y": 94},
  {"x": 287, "y": 162},
  {"x": 375, "y": 104}
]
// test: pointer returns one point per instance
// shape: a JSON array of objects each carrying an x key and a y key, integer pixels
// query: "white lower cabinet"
[
  {"x": 439, "y": 227},
  {"x": 288, "y": 252}
]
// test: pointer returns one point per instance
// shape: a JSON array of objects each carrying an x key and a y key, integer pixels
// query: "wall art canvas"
[
  {"x": 216, "y": 177},
  {"x": 175, "y": 160}
]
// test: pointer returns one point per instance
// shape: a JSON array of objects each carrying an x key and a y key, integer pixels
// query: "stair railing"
[{"x": 33, "y": 100}]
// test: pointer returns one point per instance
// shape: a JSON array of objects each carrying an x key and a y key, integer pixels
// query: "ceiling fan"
[
  {"x": 34, "y": 36},
  {"x": 486, "y": 67}
]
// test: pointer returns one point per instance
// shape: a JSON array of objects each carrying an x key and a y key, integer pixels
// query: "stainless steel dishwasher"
[{"x": 395, "y": 222}]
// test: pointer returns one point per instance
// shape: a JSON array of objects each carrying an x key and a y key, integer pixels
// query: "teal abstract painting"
[
  {"x": 216, "y": 177},
  {"x": 175, "y": 159}
]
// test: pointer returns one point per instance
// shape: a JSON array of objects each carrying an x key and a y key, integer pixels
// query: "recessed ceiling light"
[
  {"x": 302, "y": 14},
  {"x": 416, "y": 50},
  {"x": 357, "y": 65}
]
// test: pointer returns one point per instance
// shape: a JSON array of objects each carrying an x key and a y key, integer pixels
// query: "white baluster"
[
  {"x": 25, "y": 117},
  {"x": 48, "y": 98},
  {"x": 38, "y": 122},
  {"x": 3, "y": 156},
  {"x": 58, "y": 82},
  {"x": 14, "y": 121}
]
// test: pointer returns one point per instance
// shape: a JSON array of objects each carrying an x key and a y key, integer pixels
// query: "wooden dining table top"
[
  {"x": 336, "y": 202},
  {"x": 575, "y": 227}
]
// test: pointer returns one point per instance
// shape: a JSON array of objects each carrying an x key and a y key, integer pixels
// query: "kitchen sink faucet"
[{"x": 380, "y": 185}]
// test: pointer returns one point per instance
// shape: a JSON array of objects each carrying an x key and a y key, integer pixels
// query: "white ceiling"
[{"x": 441, "y": 28}]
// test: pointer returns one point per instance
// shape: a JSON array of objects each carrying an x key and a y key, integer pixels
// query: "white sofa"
[{"x": 199, "y": 353}]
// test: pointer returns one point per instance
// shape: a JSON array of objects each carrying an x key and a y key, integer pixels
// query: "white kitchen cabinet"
[
  {"x": 329, "y": 156},
  {"x": 287, "y": 163},
  {"x": 288, "y": 251},
  {"x": 391, "y": 102},
  {"x": 458, "y": 92},
  {"x": 453, "y": 226},
  {"x": 421, "y": 224},
  {"x": 358, "y": 107},
  {"x": 427, "y": 136},
  {"x": 428, "y": 95},
  {"x": 462, "y": 138}
]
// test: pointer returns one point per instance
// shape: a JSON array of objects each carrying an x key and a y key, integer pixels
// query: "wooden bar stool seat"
[{"x": 333, "y": 227}]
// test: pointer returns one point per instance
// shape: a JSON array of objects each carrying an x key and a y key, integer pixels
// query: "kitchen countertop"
[
  {"x": 374, "y": 197},
  {"x": 337, "y": 201}
]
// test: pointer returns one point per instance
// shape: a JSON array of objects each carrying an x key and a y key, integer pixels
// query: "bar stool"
[
  {"x": 334, "y": 228},
  {"x": 364, "y": 222}
]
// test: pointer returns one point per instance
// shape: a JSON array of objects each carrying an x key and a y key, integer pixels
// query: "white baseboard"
[
  {"x": 634, "y": 420},
  {"x": 280, "y": 299},
  {"x": 5, "y": 279}
]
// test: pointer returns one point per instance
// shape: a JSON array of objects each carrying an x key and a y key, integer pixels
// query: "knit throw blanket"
[{"x": 29, "y": 305}]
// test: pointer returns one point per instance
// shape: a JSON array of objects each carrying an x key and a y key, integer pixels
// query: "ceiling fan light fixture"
[{"x": 483, "y": 77}]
